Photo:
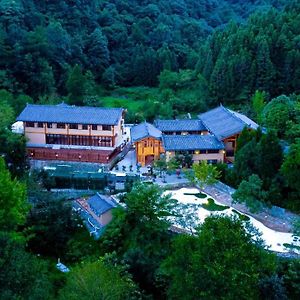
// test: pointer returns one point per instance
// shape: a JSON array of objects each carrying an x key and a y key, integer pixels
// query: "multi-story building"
[{"x": 72, "y": 133}]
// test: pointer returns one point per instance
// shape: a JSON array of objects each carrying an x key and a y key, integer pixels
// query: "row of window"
[
  {"x": 198, "y": 152},
  {"x": 63, "y": 126},
  {"x": 79, "y": 140}
]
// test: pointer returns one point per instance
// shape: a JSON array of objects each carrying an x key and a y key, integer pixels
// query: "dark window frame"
[{"x": 73, "y": 126}]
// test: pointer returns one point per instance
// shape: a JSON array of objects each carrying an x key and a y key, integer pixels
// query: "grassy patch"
[
  {"x": 212, "y": 206},
  {"x": 291, "y": 247},
  {"x": 198, "y": 195},
  {"x": 129, "y": 103},
  {"x": 241, "y": 216}
]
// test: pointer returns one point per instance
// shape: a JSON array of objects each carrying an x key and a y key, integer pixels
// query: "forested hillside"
[{"x": 127, "y": 43}]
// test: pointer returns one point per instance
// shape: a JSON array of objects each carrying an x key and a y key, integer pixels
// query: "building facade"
[
  {"x": 147, "y": 141},
  {"x": 71, "y": 133},
  {"x": 212, "y": 137}
]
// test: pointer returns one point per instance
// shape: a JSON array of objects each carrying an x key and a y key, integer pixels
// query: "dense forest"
[{"x": 128, "y": 44}]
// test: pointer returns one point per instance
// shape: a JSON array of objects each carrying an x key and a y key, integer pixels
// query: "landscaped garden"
[{"x": 206, "y": 206}]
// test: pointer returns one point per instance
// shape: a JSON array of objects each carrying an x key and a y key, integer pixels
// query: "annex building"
[
  {"x": 73, "y": 133},
  {"x": 211, "y": 137}
]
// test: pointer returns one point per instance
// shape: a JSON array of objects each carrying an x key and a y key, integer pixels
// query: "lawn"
[
  {"x": 241, "y": 216},
  {"x": 198, "y": 195},
  {"x": 212, "y": 206}
]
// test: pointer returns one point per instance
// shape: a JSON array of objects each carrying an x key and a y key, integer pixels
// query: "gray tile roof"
[
  {"x": 101, "y": 204},
  {"x": 180, "y": 125},
  {"x": 224, "y": 123},
  {"x": 191, "y": 142},
  {"x": 70, "y": 114},
  {"x": 144, "y": 130}
]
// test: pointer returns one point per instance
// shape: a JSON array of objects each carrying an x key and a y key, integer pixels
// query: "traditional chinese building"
[
  {"x": 72, "y": 133},
  {"x": 211, "y": 137},
  {"x": 147, "y": 141},
  {"x": 201, "y": 147},
  {"x": 226, "y": 125}
]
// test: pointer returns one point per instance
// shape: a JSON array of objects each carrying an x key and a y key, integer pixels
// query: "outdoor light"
[
  {"x": 56, "y": 155},
  {"x": 31, "y": 153},
  {"x": 79, "y": 156}
]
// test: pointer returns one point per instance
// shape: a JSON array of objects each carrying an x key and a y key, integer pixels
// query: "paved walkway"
[{"x": 282, "y": 223}]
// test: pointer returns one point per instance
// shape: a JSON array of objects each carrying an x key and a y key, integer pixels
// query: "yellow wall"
[
  {"x": 147, "y": 147},
  {"x": 198, "y": 157}
]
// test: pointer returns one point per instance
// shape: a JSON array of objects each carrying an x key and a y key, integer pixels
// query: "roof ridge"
[
  {"x": 74, "y": 106},
  {"x": 232, "y": 112}
]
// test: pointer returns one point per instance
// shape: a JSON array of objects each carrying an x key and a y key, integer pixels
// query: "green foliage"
[
  {"x": 50, "y": 226},
  {"x": 251, "y": 193},
  {"x": 139, "y": 234},
  {"x": 212, "y": 206},
  {"x": 258, "y": 103},
  {"x": 277, "y": 113},
  {"x": 290, "y": 170},
  {"x": 205, "y": 173},
  {"x": 22, "y": 276},
  {"x": 198, "y": 195},
  {"x": 225, "y": 258},
  {"x": 98, "y": 281},
  {"x": 76, "y": 85},
  {"x": 13, "y": 204}
]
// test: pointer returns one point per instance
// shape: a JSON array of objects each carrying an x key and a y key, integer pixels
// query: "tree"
[
  {"x": 22, "y": 276},
  {"x": 222, "y": 261},
  {"x": 98, "y": 53},
  {"x": 251, "y": 193},
  {"x": 205, "y": 173},
  {"x": 270, "y": 157},
  {"x": 98, "y": 281},
  {"x": 50, "y": 225},
  {"x": 277, "y": 113},
  {"x": 139, "y": 234},
  {"x": 258, "y": 104},
  {"x": 291, "y": 171},
  {"x": 13, "y": 204},
  {"x": 76, "y": 85}
]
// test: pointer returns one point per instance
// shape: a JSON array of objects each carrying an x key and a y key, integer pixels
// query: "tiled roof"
[
  {"x": 224, "y": 123},
  {"x": 180, "y": 125},
  {"x": 70, "y": 114},
  {"x": 191, "y": 142},
  {"x": 101, "y": 204},
  {"x": 144, "y": 130}
]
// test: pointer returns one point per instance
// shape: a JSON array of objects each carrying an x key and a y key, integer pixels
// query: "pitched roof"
[
  {"x": 224, "y": 123},
  {"x": 70, "y": 114},
  {"x": 144, "y": 130},
  {"x": 191, "y": 142},
  {"x": 101, "y": 203},
  {"x": 180, "y": 125}
]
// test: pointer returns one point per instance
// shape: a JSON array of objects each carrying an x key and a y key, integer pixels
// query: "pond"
[{"x": 206, "y": 206}]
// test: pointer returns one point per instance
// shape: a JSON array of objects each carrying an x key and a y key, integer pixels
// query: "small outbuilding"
[{"x": 102, "y": 206}]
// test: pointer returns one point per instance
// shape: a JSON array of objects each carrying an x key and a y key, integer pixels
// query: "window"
[
  {"x": 40, "y": 125},
  {"x": 73, "y": 126},
  {"x": 49, "y": 125},
  {"x": 84, "y": 127},
  {"x": 212, "y": 151},
  {"x": 106, "y": 127},
  {"x": 61, "y": 125},
  {"x": 29, "y": 124},
  {"x": 94, "y": 127},
  {"x": 202, "y": 151}
]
